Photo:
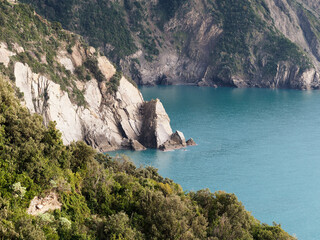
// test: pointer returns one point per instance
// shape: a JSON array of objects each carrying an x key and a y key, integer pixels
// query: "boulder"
[
  {"x": 176, "y": 141},
  {"x": 136, "y": 146},
  {"x": 191, "y": 142}
]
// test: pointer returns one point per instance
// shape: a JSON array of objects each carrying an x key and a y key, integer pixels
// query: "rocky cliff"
[
  {"x": 238, "y": 43},
  {"x": 78, "y": 88}
]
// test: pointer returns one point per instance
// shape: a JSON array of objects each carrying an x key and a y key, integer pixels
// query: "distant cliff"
[
  {"x": 239, "y": 43},
  {"x": 59, "y": 77}
]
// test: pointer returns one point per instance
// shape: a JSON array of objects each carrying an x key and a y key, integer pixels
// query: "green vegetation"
[
  {"x": 41, "y": 41},
  {"x": 167, "y": 9},
  {"x": 103, "y": 21},
  {"x": 92, "y": 65},
  {"x": 248, "y": 46},
  {"x": 245, "y": 35},
  {"x": 114, "y": 82},
  {"x": 102, "y": 198}
]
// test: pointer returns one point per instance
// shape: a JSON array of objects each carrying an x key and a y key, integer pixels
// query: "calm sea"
[{"x": 261, "y": 144}]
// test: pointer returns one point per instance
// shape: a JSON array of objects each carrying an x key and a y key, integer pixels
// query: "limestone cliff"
[{"x": 104, "y": 125}]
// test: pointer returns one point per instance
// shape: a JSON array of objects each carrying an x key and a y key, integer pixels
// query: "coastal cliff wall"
[
  {"x": 107, "y": 122},
  {"x": 236, "y": 43}
]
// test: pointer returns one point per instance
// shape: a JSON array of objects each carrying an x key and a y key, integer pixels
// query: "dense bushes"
[
  {"x": 102, "y": 198},
  {"x": 244, "y": 34},
  {"x": 103, "y": 21}
]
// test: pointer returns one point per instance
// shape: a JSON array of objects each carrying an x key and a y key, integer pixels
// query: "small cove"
[{"x": 261, "y": 144}]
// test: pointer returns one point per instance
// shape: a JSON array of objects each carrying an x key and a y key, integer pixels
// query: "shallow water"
[{"x": 261, "y": 144}]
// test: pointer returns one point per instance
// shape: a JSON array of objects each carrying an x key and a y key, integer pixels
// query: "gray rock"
[
  {"x": 136, "y": 146},
  {"x": 176, "y": 141},
  {"x": 178, "y": 138},
  {"x": 156, "y": 128}
]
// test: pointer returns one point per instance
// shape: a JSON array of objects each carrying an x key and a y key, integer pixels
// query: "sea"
[{"x": 261, "y": 144}]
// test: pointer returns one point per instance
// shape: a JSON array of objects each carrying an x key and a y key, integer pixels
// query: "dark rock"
[
  {"x": 156, "y": 128},
  {"x": 176, "y": 141},
  {"x": 163, "y": 80},
  {"x": 191, "y": 142},
  {"x": 178, "y": 138}
]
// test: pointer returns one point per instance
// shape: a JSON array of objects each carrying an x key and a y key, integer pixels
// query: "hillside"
[
  {"x": 63, "y": 79},
  {"x": 246, "y": 43},
  {"x": 52, "y": 191}
]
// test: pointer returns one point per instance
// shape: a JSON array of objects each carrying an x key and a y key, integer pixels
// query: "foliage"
[
  {"x": 114, "y": 82},
  {"x": 41, "y": 41},
  {"x": 92, "y": 65},
  {"x": 103, "y": 21},
  {"x": 246, "y": 34},
  {"x": 248, "y": 46},
  {"x": 102, "y": 197}
]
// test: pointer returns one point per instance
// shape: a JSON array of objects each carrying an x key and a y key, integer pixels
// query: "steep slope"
[
  {"x": 52, "y": 191},
  {"x": 63, "y": 79},
  {"x": 210, "y": 42}
]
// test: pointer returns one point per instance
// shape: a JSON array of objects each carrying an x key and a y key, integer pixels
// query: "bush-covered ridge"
[
  {"x": 102, "y": 197},
  {"x": 250, "y": 46},
  {"x": 43, "y": 42}
]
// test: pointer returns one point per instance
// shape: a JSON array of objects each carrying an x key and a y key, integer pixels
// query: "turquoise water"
[{"x": 263, "y": 145}]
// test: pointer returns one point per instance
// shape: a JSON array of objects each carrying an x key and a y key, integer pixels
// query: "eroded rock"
[
  {"x": 176, "y": 141},
  {"x": 191, "y": 142},
  {"x": 5, "y": 54},
  {"x": 124, "y": 121},
  {"x": 156, "y": 127},
  {"x": 42, "y": 205}
]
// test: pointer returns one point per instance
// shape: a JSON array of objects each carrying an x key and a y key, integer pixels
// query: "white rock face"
[
  {"x": 106, "y": 67},
  {"x": 5, "y": 54},
  {"x": 92, "y": 94},
  {"x": 156, "y": 128},
  {"x": 164, "y": 131},
  {"x": 45, "y": 97},
  {"x": 77, "y": 55},
  {"x": 105, "y": 124},
  {"x": 66, "y": 62}
]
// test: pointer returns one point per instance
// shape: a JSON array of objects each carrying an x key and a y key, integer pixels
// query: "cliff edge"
[{"x": 57, "y": 75}]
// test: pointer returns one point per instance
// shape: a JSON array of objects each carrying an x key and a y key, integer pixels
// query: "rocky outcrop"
[
  {"x": 196, "y": 33},
  {"x": 209, "y": 43},
  {"x": 41, "y": 205},
  {"x": 191, "y": 142},
  {"x": 156, "y": 127},
  {"x": 123, "y": 120},
  {"x": 5, "y": 54},
  {"x": 176, "y": 141}
]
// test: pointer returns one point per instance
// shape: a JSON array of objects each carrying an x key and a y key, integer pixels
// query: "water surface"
[{"x": 261, "y": 144}]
